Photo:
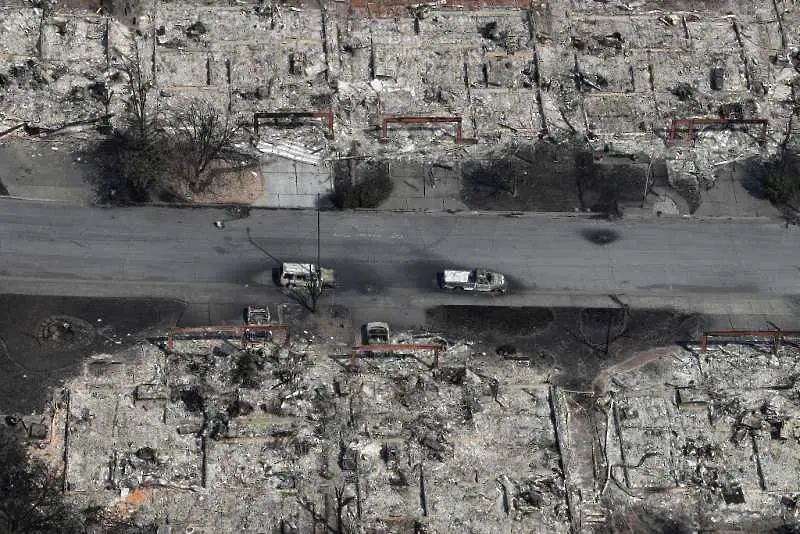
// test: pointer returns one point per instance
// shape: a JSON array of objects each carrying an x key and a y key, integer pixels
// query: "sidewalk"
[
  {"x": 417, "y": 188},
  {"x": 737, "y": 192},
  {"x": 44, "y": 169},
  {"x": 293, "y": 184},
  {"x": 47, "y": 169}
]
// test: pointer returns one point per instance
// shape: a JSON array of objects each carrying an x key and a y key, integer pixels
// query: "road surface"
[{"x": 382, "y": 257}]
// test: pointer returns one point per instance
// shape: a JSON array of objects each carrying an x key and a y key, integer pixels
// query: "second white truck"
[{"x": 476, "y": 280}]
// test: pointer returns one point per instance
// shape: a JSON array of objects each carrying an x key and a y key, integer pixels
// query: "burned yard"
[
  {"x": 45, "y": 340},
  {"x": 571, "y": 345},
  {"x": 564, "y": 177}
]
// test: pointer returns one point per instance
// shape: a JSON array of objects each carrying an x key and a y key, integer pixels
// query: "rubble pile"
[
  {"x": 613, "y": 74},
  {"x": 714, "y": 430},
  {"x": 294, "y": 436},
  {"x": 230, "y": 439}
]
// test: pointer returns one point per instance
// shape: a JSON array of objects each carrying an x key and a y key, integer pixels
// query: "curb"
[
  {"x": 50, "y": 200},
  {"x": 462, "y": 213}
]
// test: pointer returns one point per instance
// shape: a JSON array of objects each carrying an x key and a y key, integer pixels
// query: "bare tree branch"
[
  {"x": 205, "y": 135},
  {"x": 30, "y": 493},
  {"x": 141, "y": 120}
]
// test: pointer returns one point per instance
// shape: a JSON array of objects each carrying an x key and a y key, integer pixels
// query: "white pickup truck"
[
  {"x": 375, "y": 333},
  {"x": 477, "y": 280}
]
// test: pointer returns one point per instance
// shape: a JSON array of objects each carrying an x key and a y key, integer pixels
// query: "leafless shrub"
[{"x": 31, "y": 499}]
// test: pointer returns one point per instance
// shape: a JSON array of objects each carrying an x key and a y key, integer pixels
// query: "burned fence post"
[
  {"x": 423, "y": 497},
  {"x": 418, "y": 119}
]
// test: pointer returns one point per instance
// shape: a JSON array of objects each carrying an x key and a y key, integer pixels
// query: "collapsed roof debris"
[
  {"x": 505, "y": 71},
  {"x": 283, "y": 430}
]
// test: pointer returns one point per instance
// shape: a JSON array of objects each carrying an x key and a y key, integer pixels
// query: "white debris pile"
[
  {"x": 291, "y": 150},
  {"x": 719, "y": 424}
]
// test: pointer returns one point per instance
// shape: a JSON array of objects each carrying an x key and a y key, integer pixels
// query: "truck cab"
[{"x": 375, "y": 333}]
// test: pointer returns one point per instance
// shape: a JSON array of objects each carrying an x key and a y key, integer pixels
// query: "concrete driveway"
[{"x": 46, "y": 169}]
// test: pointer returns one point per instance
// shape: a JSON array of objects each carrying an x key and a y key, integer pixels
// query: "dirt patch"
[
  {"x": 575, "y": 343},
  {"x": 44, "y": 340},
  {"x": 636, "y": 361},
  {"x": 554, "y": 177},
  {"x": 230, "y": 186}
]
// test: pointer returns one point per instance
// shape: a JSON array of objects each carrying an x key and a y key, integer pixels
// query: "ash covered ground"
[{"x": 534, "y": 420}]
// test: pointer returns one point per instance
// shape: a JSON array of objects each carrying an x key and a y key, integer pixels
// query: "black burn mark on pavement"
[
  {"x": 602, "y": 236},
  {"x": 378, "y": 277},
  {"x": 362, "y": 278}
]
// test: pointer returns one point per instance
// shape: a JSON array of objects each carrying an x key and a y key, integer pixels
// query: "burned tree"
[
  {"x": 203, "y": 135},
  {"x": 141, "y": 122},
  {"x": 143, "y": 156},
  {"x": 360, "y": 186},
  {"x": 151, "y": 155},
  {"x": 134, "y": 169},
  {"x": 31, "y": 499},
  {"x": 343, "y": 498},
  {"x": 133, "y": 159},
  {"x": 781, "y": 182}
]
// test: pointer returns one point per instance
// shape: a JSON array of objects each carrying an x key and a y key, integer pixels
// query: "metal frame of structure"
[
  {"x": 242, "y": 332},
  {"x": 385, "y": 8},
  {"x": 775, "y": 336},
  {"x": 293, "y": 117},
  {"x": 393, "y": 347},
  {"x": 690, "y": 125},
  {"x": 417, "y": 119}
]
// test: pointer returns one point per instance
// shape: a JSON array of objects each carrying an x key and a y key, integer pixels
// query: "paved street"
[{"x": 384, "y": 258}]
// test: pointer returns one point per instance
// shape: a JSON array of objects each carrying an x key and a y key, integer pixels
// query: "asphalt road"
[{"x": 60, "y": 249}]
